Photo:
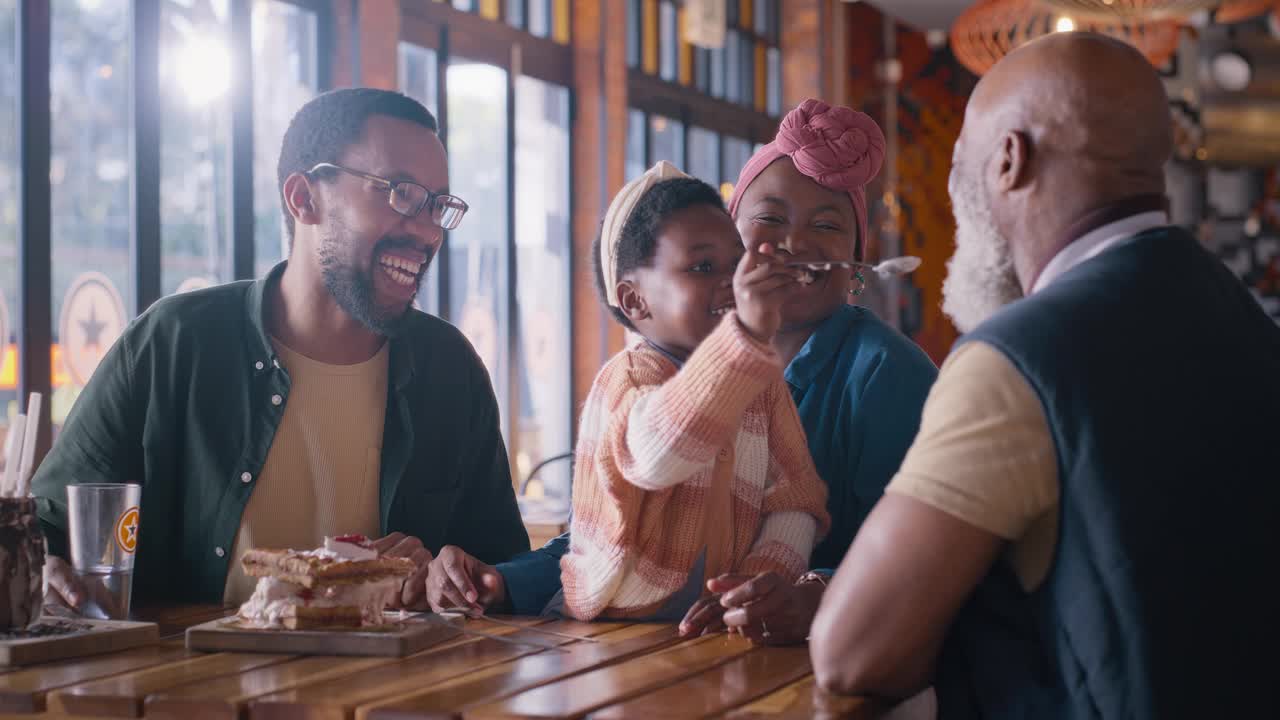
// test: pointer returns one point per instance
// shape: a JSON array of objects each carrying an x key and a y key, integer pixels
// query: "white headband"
[{"x": 616, "y": 218}]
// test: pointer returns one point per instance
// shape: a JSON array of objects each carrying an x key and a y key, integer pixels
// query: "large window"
[
  {"x": 89, "y": 177},
  {"x": 736, "y": 154},
  {"x": 9, "y": 178},
  {"x": 197, "y": 79},
  {"x": 135, "y": 216},
  {"x": 284, "y": 47},
  {"x": 499, "y": 85},
  {"x": 715, "y": 158},
  {"x": 419, "y": 80},
  {"x": 704, "y": 155},
  {"x": 478, "y": 250},
  {"x": 195, "y": 200},
  {"x": 540, "y": 18},
  {"x": 636, "y": 156},
  {"x": 744, "y": 67},
  {"x": 543, "y": 354},
  {"x": 702, "y": 108},
  {"x": 666, "y": 141}
]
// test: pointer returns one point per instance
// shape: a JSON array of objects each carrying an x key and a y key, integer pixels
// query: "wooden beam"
[
  {"x": 600, "y": 132},
  {"x": 379, "y": 42},
  {"x": 807, "y": 64}
]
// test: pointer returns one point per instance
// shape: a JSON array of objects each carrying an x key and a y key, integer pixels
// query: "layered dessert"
[
  {"x": 345, "y": 584},
  {"x": 21, "y": 563}
]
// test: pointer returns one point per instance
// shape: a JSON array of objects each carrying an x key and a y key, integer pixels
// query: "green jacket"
[{"x": 187, "y": 403}]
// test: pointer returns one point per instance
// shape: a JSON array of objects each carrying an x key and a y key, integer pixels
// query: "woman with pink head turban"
[{"x": 858, "y": 384}]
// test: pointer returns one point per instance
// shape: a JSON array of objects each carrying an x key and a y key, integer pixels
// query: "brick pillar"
[
  {"x": 379, "y": 40},
  {"x": 599, "y": 138},
  {"x": 379, "y": 33},
  {"x": 809, "y": 66}
]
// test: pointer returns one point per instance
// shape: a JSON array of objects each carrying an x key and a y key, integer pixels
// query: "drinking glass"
[{"x": 104, "y": 539}]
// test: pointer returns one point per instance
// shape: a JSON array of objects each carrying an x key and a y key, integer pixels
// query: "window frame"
[
  {"x": 33, "y": 318},
  {"x": 454, "y": 33}
]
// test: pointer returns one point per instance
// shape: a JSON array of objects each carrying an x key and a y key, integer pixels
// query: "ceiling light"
[{"x": 1231, "y": 71}]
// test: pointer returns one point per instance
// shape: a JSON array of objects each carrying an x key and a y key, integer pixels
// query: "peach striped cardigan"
[{"x": 657, "y": 445}]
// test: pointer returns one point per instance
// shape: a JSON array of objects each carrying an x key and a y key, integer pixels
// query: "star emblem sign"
[
  {"x": 127, "y": 530},
  {"x": 93, "y": 328}
]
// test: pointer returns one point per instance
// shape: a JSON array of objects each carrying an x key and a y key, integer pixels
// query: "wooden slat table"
[{"x": 630, "y": 670}]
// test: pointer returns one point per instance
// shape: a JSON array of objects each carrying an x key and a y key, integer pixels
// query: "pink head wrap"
[{"x": 840, "y": 148}]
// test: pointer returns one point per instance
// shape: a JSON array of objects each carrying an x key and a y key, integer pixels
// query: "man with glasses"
[{"x": 314, "y": 402}]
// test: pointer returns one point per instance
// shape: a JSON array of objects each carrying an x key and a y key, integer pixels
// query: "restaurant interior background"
[{"x": 138, "y": 142}]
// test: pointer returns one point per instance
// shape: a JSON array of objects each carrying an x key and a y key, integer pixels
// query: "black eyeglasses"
[{"x": 409, "y": 198}]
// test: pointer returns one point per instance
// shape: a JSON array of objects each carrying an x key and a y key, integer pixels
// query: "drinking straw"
[
  {"x": 25, "y": 468},
  {"x": 13, "y": 452}
]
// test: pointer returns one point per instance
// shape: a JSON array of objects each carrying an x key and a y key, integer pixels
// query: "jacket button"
[
  {"x": 276, "y": 399},
  {"x": 219, "y": 551},
  {"x": 245, "y": 477},
  {"x": 258, "y": 365}
]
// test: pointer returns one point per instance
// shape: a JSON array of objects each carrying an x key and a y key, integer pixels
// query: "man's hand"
[
  {"x": 767, "y": 609},
  {"x": 413, "y": 594},
  {"x": 62, "y": 589},
  {"x": 458, "y": 580}
]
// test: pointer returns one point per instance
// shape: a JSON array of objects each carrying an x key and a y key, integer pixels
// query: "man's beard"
[
  {"x": 981, "y": 277},
  {"x": 351, "y": 287}
]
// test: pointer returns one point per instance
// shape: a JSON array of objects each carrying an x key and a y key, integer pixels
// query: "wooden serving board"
[
  {"x": 395, "y": 640},
  {"x": 90, "y": 637}
]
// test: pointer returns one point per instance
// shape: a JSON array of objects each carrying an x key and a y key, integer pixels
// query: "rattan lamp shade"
[
  {"x": 1129, "y": 10},
  {"x": 1234, "y": 11},
  {"x": 991, "y": 29}
]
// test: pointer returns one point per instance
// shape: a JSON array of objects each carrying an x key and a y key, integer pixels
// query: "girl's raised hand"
[{"x": 760, "y": 286}]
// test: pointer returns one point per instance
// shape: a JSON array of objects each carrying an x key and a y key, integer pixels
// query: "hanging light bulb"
[
  {"x": 1064, "y": 24},
  {"x": 991, "y": 29},
  {"x": 1130, "y": 10}
]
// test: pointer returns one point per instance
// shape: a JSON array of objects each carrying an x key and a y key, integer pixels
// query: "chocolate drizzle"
[{"x": 21, "y": 564}]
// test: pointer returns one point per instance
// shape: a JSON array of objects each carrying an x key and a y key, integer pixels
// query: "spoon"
[{"x": 888, "y": 268}]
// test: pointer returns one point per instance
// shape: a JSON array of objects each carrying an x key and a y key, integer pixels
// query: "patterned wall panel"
[{"x": 930, "y": 106}]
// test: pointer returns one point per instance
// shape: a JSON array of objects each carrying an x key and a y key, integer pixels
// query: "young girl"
[{"x": 691, "y": 460}]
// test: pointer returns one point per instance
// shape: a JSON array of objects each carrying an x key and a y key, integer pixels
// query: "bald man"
[{"x": 1085, "y": 523}]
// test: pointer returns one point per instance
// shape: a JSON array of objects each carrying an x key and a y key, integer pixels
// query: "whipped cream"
[
  {"x": 273, "y": 600},
  {"x": 348, "y": 550}
]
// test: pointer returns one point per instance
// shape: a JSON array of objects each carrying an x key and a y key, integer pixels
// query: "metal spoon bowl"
[{"x": 888, "y": 268}]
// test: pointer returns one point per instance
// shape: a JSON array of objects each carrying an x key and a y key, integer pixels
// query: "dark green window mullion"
[
  {"x": 144, "y": 128},
  {"x": 242, "y": 220},
  {"x": 443, "y": 309},
  {"x": 511, "y": 401},
  {"x": 35, "y": 210},
  {"x": 635, "y": 21}
]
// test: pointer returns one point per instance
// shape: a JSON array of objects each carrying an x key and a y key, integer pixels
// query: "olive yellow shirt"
[
  {"x": 985, "y": 455},
  {"x": 321, "y": 473}
]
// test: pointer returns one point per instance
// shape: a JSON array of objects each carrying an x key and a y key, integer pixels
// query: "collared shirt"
[
  {"x": 859, "y": 387},
  {"x": 187, "y": 403},
  {"x": 1096, "y": 242}
]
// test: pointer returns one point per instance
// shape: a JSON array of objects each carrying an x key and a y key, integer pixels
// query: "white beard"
[{"x": 980, "y": 276}]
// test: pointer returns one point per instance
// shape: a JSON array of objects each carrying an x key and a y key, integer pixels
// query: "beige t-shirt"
[
  {"x": 985, "y": 455},
  {"x": 321, "y": 474}
]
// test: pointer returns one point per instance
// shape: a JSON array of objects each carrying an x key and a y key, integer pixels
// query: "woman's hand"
[
  {"x": 704, "y": 617},
  {"x": 767, "y": 609}
]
